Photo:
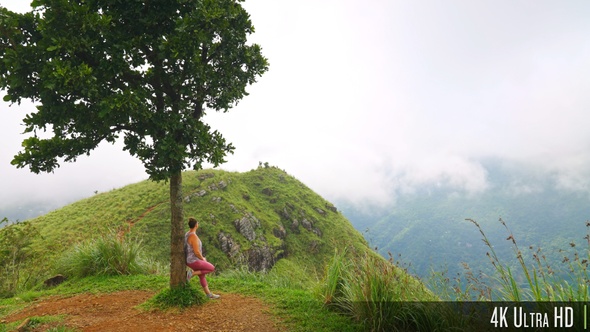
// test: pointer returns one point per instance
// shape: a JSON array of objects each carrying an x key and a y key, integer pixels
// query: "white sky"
[{"x": 365, "y": 99}]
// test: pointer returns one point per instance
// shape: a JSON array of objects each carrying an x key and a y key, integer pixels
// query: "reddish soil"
[{"x": 117, "y": 312}]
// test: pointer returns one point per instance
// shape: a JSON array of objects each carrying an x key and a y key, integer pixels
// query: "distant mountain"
[
  {"x": 428, "y": 228},
  {"x": 27, "y": 210}
]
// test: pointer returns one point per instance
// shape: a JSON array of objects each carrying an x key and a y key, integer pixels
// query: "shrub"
[
  {"x": 15, "y": 241},
  {"x": 106, "y": 255},
  {"x": 333, "y": 284},
  {"x": 183, "y": 296},
  {"x": 380, "y": 295}
]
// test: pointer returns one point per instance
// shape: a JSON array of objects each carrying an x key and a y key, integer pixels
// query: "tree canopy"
[
  {"x": 146, "y": 71},
  {"x": 143, "y": 70}
]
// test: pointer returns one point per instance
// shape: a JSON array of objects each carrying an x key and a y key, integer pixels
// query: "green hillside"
[{"x": 260, "y": 218}]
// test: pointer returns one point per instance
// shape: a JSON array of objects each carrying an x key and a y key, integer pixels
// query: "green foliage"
[
  {"x": 333, "y": 283},
  {"x": 285, "y": 274},
  {"x": 146, "y": 71},
  {"x": 538, "y": 280},
  {"x": 379, "y": 295},
  {"x": 106, "y": 255},
  {"x": 298, "y": 307},
  {"x": 15, "y": 251},
  {"x": 182, "y": 296}
]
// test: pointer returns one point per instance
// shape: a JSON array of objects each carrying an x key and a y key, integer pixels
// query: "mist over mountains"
[{"x": 427, "y": 225}]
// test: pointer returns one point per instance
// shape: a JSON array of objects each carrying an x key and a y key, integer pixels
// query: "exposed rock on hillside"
[
  {"x": 260, "y": 258},
  {"x": 228, "y": 246},
  {"x": 280, "y": 232},
  {"x": 246, "y": 226}
]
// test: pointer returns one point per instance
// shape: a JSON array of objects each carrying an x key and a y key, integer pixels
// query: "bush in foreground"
[
  {"x": 183, "y": 296},
  {"x": 382, "y": 296},
  {"x": 106, "y": 255}
]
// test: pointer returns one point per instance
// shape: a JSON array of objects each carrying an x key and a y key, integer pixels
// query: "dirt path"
[{"x": 116, "y": 312}]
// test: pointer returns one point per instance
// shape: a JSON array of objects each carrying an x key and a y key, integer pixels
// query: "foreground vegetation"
[
  {"x": 357, "y": 292},
  {"x": 529, "y": 277},
  {"x": 297, "y": 306}
]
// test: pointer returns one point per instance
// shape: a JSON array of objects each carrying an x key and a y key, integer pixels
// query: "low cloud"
[{"x": 366, "y": 103}]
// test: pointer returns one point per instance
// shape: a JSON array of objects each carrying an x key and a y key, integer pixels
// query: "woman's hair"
[{"x": 192, "y": 222}]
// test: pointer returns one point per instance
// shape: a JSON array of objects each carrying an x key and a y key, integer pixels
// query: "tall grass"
[
  {"x": 332, "y": 289},
  {"x": 296, "y": 304},
  {"x": 106, "y": 255},
  {"x": 382, "y": 296},
  {"x": 543, "y": 282}
]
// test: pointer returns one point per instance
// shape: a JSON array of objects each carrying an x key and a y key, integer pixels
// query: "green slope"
[{"x": 281, "y": 220}]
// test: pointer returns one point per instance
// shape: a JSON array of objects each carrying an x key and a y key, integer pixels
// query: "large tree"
[{"x": 143, "y": 70}]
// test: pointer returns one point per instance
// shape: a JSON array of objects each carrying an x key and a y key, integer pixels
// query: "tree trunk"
[{"x": 177, "y": 259}]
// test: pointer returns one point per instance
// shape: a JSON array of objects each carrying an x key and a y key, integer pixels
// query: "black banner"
[{"x": 480, "y": 316}]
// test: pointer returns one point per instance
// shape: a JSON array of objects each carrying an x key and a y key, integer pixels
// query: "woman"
[{"x": 194, "y": 258}]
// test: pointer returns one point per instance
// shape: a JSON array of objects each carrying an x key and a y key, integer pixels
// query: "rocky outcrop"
[
  {"x": 205, "y": 176},
  {"x": 295, "y": 226},
  {"x": 306, "y": 224},
  {"x": 54, "y": 281},
  {"x": 317, "y": 231},
  {"x": 260, "y": 258},
  {"x": 285, "y": 213},
  {"x": 280, "y": 232},
  {"x": 331, "y": 207},
  {"x": 218, "y": 186},
  {"x": 199, "y": 193},
  {"x": 246, "y": 226},
  {"x": 228, "y": 246}
]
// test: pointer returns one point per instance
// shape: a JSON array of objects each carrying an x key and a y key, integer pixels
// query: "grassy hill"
[
  {"x": 260, "y": 218},
  {"x": 268, "y": 234}
]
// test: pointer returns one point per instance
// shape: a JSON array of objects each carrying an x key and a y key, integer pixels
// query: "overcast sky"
[{"x": 365, "y": 99}]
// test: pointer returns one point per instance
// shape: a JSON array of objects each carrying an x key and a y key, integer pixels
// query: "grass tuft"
[
  {"x": 183, "y": 296},
  {"x": 104, "y": 256},
  {"x": 535, "y": 279},
  {"x": 380, "y": 295}
]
